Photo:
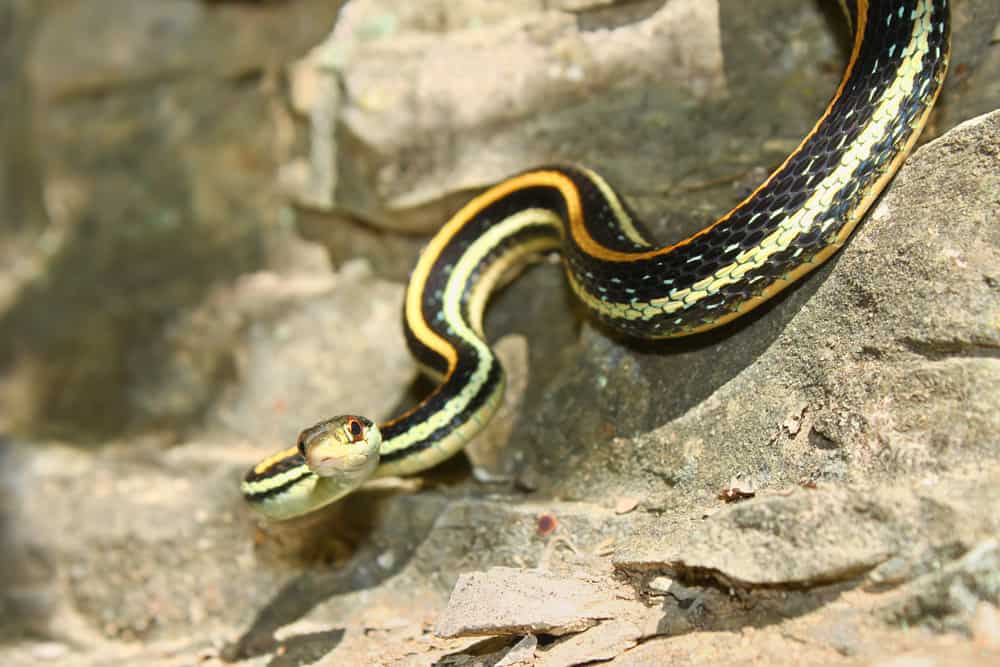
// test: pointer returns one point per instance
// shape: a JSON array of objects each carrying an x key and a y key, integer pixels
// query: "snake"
[{"x": 802, "y": 213}]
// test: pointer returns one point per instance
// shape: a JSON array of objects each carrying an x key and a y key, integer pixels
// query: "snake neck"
[{"x": 445, "y": 301}]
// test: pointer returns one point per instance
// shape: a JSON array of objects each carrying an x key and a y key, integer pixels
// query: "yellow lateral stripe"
[
  {"x": 262, "y": 467},
  {"x": 418, "y": 280},
  {"x": 800, "y": 220},
  {"x": 587, "y": 243},
  {"x": 265, "y": 484},
  {"x": 481, "y": 291},
  {"x": 451, "y": 306},
  {"x": 625, "y": 221}
]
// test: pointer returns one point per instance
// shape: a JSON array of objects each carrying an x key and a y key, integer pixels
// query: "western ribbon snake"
[{"x": 802, "y": 214}]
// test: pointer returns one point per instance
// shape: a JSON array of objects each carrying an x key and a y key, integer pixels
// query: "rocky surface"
[
  {"x": 407, "y": 92},
  {"x": 164, "y": 325},
  {"x": 154, "y": 132}
]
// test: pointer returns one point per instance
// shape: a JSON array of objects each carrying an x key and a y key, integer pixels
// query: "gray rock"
[
  {"x": 951, "y": 597},
  {"x": 604, "y": 642},
  {"x": 806, "y": 539},
  {"x": 28, "y": 592},
  {"x": 313, "y": 346},
  {"x": 522, "y": 652},
  {"x": 141, "y": 148},
  {"x": 508, "y": 601},
  {"x": 405, "y": 91},
  {"x": 885, "y": 361}
]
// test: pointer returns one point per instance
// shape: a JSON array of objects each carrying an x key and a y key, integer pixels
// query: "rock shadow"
[{"x": 389, "y": 528}]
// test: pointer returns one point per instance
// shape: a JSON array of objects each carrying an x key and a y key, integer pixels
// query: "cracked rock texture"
[{"x": 207, "y": 213}]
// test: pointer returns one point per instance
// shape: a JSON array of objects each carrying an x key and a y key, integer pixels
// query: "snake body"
[{"x": 796, "y": 219}]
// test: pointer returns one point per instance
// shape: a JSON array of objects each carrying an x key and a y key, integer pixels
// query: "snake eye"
[
  {"x": 355, "y": 428},
  {"x": 300, "y": 444}
]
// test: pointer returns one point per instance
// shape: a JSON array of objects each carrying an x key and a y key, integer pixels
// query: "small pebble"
[
  {"x": 49, "y": 651},
  {"x": 660, "y": 584},
  {"x": 986, "y": 626},
  {"x": 386, "y": 560},
  {"x": 626, "y": 504},
  {"x": 521, "y": 653}
]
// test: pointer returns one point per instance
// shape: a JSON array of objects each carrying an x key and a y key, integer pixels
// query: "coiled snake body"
[{"x": 802, "y": 214}]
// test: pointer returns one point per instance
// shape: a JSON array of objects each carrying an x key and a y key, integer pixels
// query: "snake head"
[{"x": 344, "y": 446}]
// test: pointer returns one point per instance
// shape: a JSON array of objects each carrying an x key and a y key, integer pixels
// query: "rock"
[
  {"x": 522, "y": 653},
  {"x": 487, "y": 453},
  {"x": 814, "y": 538},
  {"x": 509, "y": 601},
  {"x": 313, "y": 353},
  {"x": 603, "y": 642},
  {"x": 749, "y": 648},
  {"x": 144, "y": 137},
  {"x": 952, "y": 597},
  {"x": 986, "y": 626},
  {"x": 953, "y": 657},
  {"x": 806, "y": 539},
  {"x": 508, "y": 530},
  {"x": 407, "y": 91},
  {"x": 156, "y": 41},
  {"x": 27, "y": 240},
  {"x": 887, "y": 362},
  {"x": 49, "y": 651},
  {"x": 28, "y": 592},
  {"x": 626, "y": 504}
]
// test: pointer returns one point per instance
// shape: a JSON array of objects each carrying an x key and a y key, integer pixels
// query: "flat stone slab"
[
  {"x": 511, "y": 601},
  {"x": 807, "y": 538}
]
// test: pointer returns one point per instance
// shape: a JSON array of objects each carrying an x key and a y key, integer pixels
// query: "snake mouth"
[
  {"x": 348, "y": 463},
  {"x": 357, "y": 463}
]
